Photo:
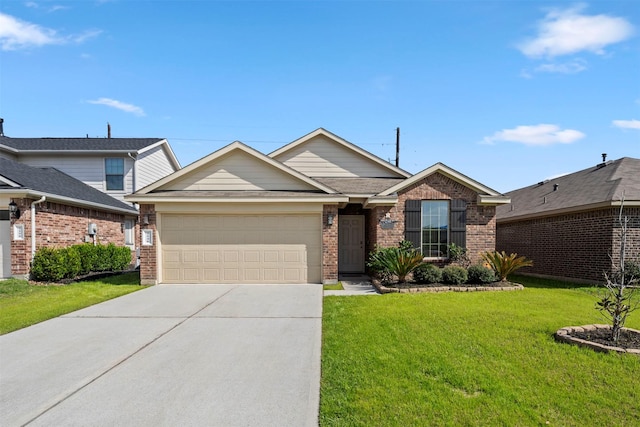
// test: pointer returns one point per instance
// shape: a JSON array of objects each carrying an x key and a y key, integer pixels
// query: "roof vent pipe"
[
  {"x": 1, "y": 127},
  {"x": 108, "y": 130},
  {"x": 555, "y": 187},
  {"x": 604, "y": 157}
]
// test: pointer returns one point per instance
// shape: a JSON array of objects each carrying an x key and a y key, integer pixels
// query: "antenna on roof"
[
  {"x": 108, "y": 130},
  {"x": 604, "y": 157}
]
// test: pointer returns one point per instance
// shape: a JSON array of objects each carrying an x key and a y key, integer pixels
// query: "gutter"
[{"x": 33, "y": 224}]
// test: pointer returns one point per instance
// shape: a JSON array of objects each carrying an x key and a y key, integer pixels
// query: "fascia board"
[
  {"x": 447, "y": 171},
  {"x": 172, "y": 157},
  {"x": 237, "y": 145},
  {"x": 151, "y": 199},
  {"x": 569, "y": 210},
  {"x": 26, "y": 193},
  {"x": 344, "y": 143},
  {"x": 487, "y": 200},
  {"x": 381, "y": 201},
  {"x": 9, "y": 182},
  {"x": 7, "y": 148}
]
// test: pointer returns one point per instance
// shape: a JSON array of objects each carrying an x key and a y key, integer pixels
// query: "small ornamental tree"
[{"x": 620, "y": 296}]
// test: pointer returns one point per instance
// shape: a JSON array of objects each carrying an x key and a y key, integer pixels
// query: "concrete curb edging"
[
  {"x": 564, "y": 335},
  {"x": 435, "y": 289}
]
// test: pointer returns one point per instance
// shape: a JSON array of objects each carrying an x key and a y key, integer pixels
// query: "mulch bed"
[
  {"x": 598, "y": 337},
  {"x": 439, "y": 287}
]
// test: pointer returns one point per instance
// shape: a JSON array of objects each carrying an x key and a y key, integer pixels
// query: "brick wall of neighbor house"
[
  {"x": 149, "y": 254},
  {"x": 481, "y": 220},
  {"x": 59, "y": 225},
  {"x": 329, "y": 245},
  {"x": 574, "y": 245}
]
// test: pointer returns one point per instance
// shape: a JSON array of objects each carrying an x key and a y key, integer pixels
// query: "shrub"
[
  {"x": 504, "y": 264},
  {"x": 48, "y": 265},
  {"x": 454, "y": 275},
  {"x": 427, "y": 273},
  {"x": 395, "y": 261},
  {"x": 120, "y": 257},
  {"x": 72, "y": 262},
  {"x": 480, "y": 274},
  {"x": 103, "y": 259},
  {"x": 88, "y": 257}
]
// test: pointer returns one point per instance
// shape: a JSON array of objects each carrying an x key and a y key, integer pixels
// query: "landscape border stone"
[
  {"x": 564, "y": 335},
  {"x": 435, "y": 289}
]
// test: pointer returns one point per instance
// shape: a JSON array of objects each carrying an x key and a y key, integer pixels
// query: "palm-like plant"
[
  {"x": 504, "y": 264},
  {"x": 395, "y": 261}
]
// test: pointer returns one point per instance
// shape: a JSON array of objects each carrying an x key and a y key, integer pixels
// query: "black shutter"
[
  {"x": 459, "y": 222},
  {"x": 413, "y": 222}
]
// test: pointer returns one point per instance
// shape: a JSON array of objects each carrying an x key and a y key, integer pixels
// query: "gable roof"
[
  {"x": 85, "y": 145},
  {"x": 292, "y": 183},
  {"x": 486, "y": 195},
  {"x": 31, "y": 181},
  {"x": 598, "y": 186},
  {"x": 357, "y": 151}
]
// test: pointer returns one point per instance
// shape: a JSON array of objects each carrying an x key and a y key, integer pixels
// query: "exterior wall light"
[
  {"x": 330, "y": 219},
  {"x": 14, "y": 210}
]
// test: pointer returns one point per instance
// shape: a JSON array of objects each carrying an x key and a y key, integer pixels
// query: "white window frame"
[
  {"x": 129, "y": 232},
  {"x": 106, "y": 181}
]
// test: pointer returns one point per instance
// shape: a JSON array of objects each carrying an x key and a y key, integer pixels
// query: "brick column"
[
  {"x": 148, "y": 253},
  {"x": 329, "y": 245}
]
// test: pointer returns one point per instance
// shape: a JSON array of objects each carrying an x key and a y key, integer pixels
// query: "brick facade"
[
  {"x": 59, "y": 225},
  {"x": 149, "y": 253},
  {"x": 329, "y": 245},
  {"x": 480, "y": 225},
  {"x": 576, "y": 245}
]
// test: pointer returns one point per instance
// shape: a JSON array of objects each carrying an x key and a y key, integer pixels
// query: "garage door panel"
[{"x": 241, "y": 248}]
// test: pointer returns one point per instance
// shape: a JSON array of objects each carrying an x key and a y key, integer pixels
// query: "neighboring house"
[
  {"x": 306, "y": 213},
  {"x": 569, "y": 225},
  {"x": 115, "y": 166},
  {"x": 55, "y": 210}
]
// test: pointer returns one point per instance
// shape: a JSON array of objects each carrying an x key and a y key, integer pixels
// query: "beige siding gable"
[
  {"x": 323, "y": 157},
  {"x": 237, "y": 171},
  {"x": 152, "y": 165}
]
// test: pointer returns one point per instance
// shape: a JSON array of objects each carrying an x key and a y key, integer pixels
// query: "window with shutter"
[{"x": 431, "y": 225}]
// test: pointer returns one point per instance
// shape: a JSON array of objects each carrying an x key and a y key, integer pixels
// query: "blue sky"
[{"x": 506, "y": 92}]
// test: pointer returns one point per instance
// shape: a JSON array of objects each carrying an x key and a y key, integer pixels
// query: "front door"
[{"x": 351, "y": 243}]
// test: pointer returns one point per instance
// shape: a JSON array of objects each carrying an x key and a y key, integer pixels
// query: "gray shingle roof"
[
  {"x": 78, "y": 144},
  {"x": 52, "y": 181},
  {"x": 368, "y": 186},
  {"x": 597, "y": 185}
]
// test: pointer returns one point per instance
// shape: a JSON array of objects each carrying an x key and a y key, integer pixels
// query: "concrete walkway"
[
  {"x": 169, "y": 355},
  {"x": 359, "y": 285}
]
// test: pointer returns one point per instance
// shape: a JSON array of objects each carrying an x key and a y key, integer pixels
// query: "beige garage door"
[{"x": 241, "y": 248}]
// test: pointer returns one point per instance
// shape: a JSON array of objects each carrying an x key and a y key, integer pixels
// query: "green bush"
[
  {"x": 53, "y": 265},
  {"x": 72, "y": 262},
  {"x": 48, "y": 265},
  {"x": 480, "y": 274},
  {"x": 88, "y": 257},
  {"x": 454, "y": 275},
  {"x": 427, "y": 273}
]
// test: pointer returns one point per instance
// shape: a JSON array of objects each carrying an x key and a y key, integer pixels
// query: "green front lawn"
[
  {"x": 468, "y": 359},
  {"x": 23, "y": 304}
]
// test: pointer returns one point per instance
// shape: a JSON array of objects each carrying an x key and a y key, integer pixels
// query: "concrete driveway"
[{"x": 170, "y": 355}]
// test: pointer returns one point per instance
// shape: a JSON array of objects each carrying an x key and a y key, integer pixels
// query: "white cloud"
[
  {"x": 569, "y": 31},
  {"x": 16, "y": 34},
  {"x": 123, "y": 106},
  {"x": 571, "y": 67},
  {"x": 54, "y": 8},
  {"x": 627, "y": 124},
  {"x": 538, "y": 135}
]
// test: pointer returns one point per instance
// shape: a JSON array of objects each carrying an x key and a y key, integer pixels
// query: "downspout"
[{"x": 33, "y": 224}]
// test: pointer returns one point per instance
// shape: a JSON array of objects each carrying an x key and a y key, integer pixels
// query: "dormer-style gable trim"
[
  {"x": 344, "y": 143},
  {"x": 486, "y": 195},
  {"x": 236, "y": 146}
]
